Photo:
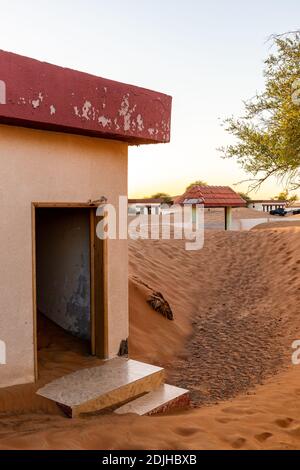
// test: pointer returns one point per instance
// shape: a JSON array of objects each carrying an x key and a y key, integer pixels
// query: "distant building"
[
  {"x": 145, "y": 206},
  {"x": 266, "y": 205}
]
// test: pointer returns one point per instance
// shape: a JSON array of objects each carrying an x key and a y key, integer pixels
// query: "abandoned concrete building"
[{"x": 64, "y": 138}]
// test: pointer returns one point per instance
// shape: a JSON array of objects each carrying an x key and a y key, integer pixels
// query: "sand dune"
[{"x": 236, "y": 306}]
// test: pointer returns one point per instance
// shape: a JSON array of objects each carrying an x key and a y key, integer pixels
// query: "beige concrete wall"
[{"x": 42, "y": 166}]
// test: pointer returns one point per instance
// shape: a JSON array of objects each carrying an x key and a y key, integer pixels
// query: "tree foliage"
[
  {"x": 268, "y": 135},
  {"x": 196, "y": 183},
  {"x": 166, "y": 197},
  {"x": 285, "y": 196}
]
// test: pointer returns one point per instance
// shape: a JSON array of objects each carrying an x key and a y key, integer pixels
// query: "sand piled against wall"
[{"x": 236, "y": 308}]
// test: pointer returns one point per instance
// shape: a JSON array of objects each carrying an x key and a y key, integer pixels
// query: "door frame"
[{"x": 98, "y": 277}]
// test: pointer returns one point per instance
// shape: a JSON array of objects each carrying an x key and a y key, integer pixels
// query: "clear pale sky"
[{"x": 207, "y": 54}]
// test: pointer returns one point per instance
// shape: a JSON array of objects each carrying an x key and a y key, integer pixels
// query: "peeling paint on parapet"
[
  {"x": 45, "y": 96},
  {"x": 104, "y": 121},
  {"x": 126, "y": 112},
  {"x": 117, "y": 127},
  {"x": 36, "y": 103},
  {"x": 2, "y": 92},
  {"x": 86, "y": 110},
  {"x": 140, "y": 122}
]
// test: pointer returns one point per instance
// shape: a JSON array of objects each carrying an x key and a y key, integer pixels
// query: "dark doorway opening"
[
  {"x": 69, "y": 281},
  {"x": 63, "y": 277}
]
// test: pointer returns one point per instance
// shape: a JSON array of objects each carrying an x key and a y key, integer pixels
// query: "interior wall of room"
[
  {"x": 63, "y": 268},
  {"x": 42, "y": 166}
]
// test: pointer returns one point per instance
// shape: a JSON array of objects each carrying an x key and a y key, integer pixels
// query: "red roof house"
[{"x": 211, "y": 196}]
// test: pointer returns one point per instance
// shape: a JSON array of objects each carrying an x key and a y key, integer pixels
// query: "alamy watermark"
[
  {"x": 296, "y": 354},
  {"x": 175, "y": 222},
  {"x": 2, "y": 353}
]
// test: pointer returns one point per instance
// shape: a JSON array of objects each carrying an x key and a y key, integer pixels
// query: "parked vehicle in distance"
[
  {"x": 296, "y": 211},
  {"x": 280, "y": 211}
]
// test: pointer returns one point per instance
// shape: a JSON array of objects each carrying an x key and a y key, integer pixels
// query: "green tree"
[
  {"x": 196, "y": 183},
  {"x": 268, "y": 135},
  {"x": 284, "y": 196}
]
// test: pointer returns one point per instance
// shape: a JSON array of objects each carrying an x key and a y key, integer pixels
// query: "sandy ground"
[{"x": 236, "y": 305}]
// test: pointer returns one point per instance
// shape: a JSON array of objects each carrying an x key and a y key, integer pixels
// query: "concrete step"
[
  {"x": 165, "y": 398},
  {"x": 98, "y": 388}
]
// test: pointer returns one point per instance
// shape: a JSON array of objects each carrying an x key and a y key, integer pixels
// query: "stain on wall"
[{"x": 63, "y": 268}]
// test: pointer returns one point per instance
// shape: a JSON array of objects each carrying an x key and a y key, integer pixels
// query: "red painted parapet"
[{"x": 44, "y": 96}]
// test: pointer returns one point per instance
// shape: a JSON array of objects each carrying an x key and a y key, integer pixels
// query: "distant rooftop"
[
  {"x": 211, "y": 196},
  {"x": 266, "y": 201},
  {"x": 149, "y": 200}
]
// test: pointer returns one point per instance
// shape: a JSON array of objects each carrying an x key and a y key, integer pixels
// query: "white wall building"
[
  {"x": 144, "y": 206},
  {"x": 266, "y": 205}
]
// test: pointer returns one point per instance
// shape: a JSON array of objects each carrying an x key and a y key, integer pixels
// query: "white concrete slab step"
[
  {"x": 165, "y": 398},
  {"x": 115, "y": 382}
]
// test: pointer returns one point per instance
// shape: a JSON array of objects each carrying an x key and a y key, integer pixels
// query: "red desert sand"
[{"x": 236, "y": 305}]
